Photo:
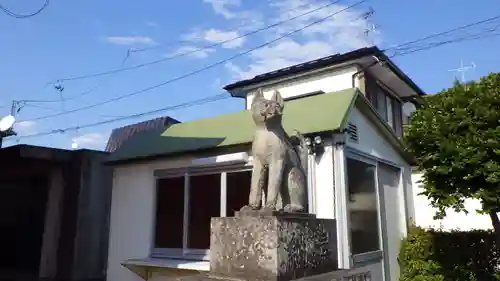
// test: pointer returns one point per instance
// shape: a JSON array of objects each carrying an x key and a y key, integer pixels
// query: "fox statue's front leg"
[
  {"x": 257, "y": 186},
  {"x": 275, "y": 179}
]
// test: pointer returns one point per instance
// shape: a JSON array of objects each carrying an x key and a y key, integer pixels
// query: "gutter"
[
  {"x": 362, "y": 69},
  {"x": 415, "y": 100}
]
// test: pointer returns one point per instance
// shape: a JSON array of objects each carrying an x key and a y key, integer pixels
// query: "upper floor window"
[
  {"x": 389, "y": 108},
  {"x": 186, "y": 203}
]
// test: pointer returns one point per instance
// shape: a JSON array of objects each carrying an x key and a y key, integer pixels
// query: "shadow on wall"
[{"x": 450, "y": 256}]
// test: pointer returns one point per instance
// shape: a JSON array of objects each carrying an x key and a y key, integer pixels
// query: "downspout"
[
  {"x": 353, "y": 77},
  {"x": 311, "y": 176},
  {"x": 362, "y": 69}
]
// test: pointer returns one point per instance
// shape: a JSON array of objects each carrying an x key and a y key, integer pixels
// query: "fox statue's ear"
[
  {"x": 258, "y": 96},
  {"x": 278, "y": 98}
]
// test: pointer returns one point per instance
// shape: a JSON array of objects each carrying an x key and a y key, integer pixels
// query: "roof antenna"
[{"x": 462, "y": 69}]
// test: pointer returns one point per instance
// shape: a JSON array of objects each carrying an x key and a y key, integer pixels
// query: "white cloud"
[
  {"x": 282, "y": 54},
  {"x": 217, "y": 84},
  {"x": 91, "y": 140},
  {"x": 151, "y": 24},
  {"x": 215, "y": 36},
  {"x": 231, "y": 10},
  {"x": 343, "y": 32},
  {"x": 25, "y": 127},
  {"x": 222, "y": 7},
  {"x": 130, "y": 40},
  {"x": 191, "y": 51}
]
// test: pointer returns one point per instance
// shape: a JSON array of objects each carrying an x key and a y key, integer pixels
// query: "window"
[
  {"x": 389, "y": 108},
  {"x": 185, "y": 205},
  {"x": 381, "y": 103},
  {"x": 169, "y": 208},
  {"x": 362, "y": 207},
  {"x": 238, "y": 189},
  {"x": 203, "y": 204},
  {"x": 398, "y": 117}
]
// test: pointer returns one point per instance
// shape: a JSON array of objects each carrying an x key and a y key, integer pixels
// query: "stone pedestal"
[{"x": 272, "y": 246}]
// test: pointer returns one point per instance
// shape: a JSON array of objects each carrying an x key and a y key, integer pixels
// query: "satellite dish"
[
  {"x": 409, "y": 108},
  {"x": 7, "y": 122}
]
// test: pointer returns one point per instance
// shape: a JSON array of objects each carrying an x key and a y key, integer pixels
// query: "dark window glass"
[
  {"x": 381, "y": 103},
  {"x": 398, "y": 117},
  {"x": 204, "y": 203},
  {"x": 362, "y": 207},
  {"x": 169, "y": 212},
  {"x": 238, "y": 188}
]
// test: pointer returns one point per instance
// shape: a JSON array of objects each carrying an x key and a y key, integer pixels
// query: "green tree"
[{"x": 455, "y": 137}]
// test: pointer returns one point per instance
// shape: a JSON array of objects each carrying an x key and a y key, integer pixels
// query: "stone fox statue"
[{"x": 277, "y": 162}]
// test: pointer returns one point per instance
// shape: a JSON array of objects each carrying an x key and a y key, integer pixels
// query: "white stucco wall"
[
  {"x": 397, "y": 204},
  {"x": 132, "y": 215},
  {"x": 133, "y": 203},
  {"x": 324, "y": 193},
  {"x": 331, "y": 81},
  {"x": 453, "y": 220}
]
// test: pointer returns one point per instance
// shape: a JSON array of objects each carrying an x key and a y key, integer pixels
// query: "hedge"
[{"x": 435, "y": 255}]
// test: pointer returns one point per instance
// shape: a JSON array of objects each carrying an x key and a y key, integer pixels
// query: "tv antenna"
[{"x": 462, "y": 69}]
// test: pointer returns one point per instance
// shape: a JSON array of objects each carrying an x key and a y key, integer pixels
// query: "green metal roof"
[{"x": 319, "y": 113}]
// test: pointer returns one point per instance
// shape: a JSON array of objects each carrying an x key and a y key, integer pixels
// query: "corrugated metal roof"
[
  {"x": 319, "y": 113},
  {"x": 120, "y": 135}
]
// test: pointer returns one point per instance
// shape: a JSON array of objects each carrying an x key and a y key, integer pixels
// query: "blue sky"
[{"x": 73, "y": 38}]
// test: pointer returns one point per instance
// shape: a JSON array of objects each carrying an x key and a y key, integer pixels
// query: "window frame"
[
  {"x": 187, "y": 172},
  {"x": 378, "y": 92},
  {"x": 368, "y": 257},
  {"x": 376, "y": 254}
]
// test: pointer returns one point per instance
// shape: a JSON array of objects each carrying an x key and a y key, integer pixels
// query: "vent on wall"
[{"x": 352, "y": 132}]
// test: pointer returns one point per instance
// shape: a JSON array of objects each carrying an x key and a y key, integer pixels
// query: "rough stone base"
[
  {"x": 272, "y": 246},
  {"x": 340, "y": 275}
]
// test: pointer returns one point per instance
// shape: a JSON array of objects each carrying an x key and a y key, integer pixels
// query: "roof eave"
[
  {"x": 383, "y": 57},
  {"x": 307, "y": 66}
]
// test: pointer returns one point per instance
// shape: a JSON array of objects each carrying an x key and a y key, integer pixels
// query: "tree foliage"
[
  {"x": 436, "y": 255},
  {"x": 455, "y": 137}
]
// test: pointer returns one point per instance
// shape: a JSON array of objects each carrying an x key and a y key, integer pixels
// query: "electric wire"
[
  {"x": 224, "y": 96},
  {"x": 21, "y": 16},
  {"x": 81, "y": 94},
  {"x": 169, "y": 108},
  {"x": 189, "y": 74},
  {"x": 201, "y": 48},
  {"x": 189, "y": 104},
  {"x": 121, "y": 68},
  {"x": 233, "y": 29}
]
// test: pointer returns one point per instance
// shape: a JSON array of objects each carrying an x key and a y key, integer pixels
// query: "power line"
[
  {"x": 177, "y": 42},
  {"x": 169, "y": 108},
  {"x": 221, "y": 62},
  {"x": 198, "y": 49},
  {"x": 446, "y": 42},
  {"x": 444, "y": 32},
  {"x": 20, "y": 16},
  {"x": 59, "y": 110},
  {"x": 81, "y": 94},
  {"x": 398, "y": 49},
  {"x": 224, "y": 96}
]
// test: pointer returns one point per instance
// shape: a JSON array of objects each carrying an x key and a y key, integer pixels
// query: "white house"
[
  {"x": 167, "y": 185},
  {"x": 453, "y": 220}
]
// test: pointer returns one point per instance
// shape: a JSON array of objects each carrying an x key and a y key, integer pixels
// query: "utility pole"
[
  {"x": 462, "y": 69},
  {"x": 6, "y": 123}
]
